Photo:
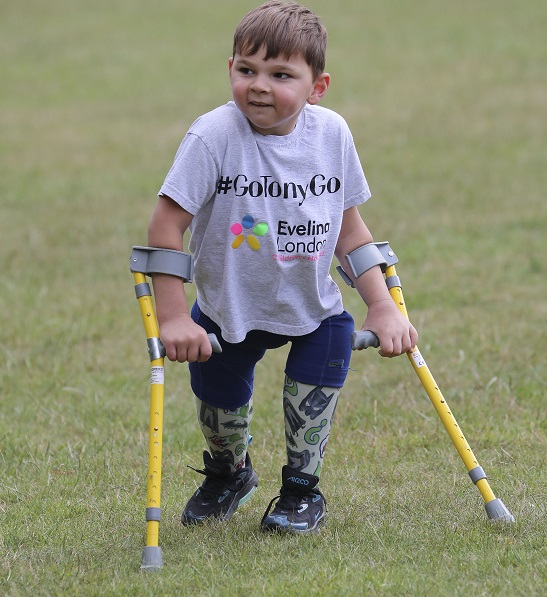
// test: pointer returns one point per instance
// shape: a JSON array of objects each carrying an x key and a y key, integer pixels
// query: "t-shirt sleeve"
[
  {"x": 357, "y": 190},
  {"x": 191, "y": 181}
]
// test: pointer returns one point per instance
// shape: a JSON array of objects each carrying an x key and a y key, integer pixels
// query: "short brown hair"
[{"x": 283, "y": 28}]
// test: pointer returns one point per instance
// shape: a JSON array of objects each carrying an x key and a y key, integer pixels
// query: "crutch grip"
[
  {"x": 215, "y": 345},
  {"x": 364, "y": 339}
]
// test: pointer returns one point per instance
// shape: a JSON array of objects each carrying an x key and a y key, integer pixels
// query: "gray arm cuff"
[
  {"x": 151, "y": 260},
  {"x": 364, "y": 258},
  {"x": 367, "y": 256}
]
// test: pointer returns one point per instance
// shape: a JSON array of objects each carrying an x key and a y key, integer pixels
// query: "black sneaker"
[
  {"x": 221, "y": 492},
  {"x": 301, "y": 507}
]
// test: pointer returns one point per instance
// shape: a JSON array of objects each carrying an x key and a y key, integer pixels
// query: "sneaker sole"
[
  {"x": 248, "y": 496},
  {"x": 292, "y": 530}
]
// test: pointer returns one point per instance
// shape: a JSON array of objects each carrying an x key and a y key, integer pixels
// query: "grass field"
[{"x": 446, "y": 102}]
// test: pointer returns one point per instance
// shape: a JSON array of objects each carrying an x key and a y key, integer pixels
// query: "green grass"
[{"x": 447, "y": 106}]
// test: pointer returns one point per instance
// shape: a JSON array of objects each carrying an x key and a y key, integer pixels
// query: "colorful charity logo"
[{"x": 242, "y": 232}]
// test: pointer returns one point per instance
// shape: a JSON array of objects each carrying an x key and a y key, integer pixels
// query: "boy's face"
[{"x": 272, "y": 93}]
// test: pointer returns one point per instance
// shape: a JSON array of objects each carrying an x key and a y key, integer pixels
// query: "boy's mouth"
[{"x": 260, "y": 104}]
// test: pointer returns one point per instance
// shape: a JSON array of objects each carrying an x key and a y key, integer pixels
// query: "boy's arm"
[
  {"x": 183, "y": 339},
  {"x": 396, "y": 333}
]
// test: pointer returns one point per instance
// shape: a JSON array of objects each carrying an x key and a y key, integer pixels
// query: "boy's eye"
[
  {"x": 282, "y": 76},
  {"x": 244, "y": 70}
]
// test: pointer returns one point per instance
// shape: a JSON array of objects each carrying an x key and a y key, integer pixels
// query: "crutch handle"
[
  {"x": 364, "y": 339},
  {"x": 215, "y": 344}
]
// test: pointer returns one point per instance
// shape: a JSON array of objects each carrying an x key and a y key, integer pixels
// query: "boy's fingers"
[
  {"x": 413, "y": 337},
  {"x": 197, "y": 348},
  {"x": 407, "y": 344},
  {"x": 182, "y": 353},
  {"x": 386, "y": 348},
  {"x": 394, "y": 348},
  {"x": 198, "y": 351},
  {"x": 205, "y": 351},
  {"x": 170, "y": 350}
]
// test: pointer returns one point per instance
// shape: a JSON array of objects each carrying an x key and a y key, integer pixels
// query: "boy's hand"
[
  {"x": 397, "y": 335},
  {"x": 185, "y": 340}
]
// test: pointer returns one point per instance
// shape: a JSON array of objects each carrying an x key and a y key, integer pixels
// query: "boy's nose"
[{"x": 260, "y": 84}]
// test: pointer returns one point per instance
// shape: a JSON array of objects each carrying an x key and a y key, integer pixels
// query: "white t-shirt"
[{"x": 267, "y": 215}]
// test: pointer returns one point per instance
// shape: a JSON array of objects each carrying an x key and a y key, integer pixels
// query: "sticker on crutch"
[
  {"x": 157, "y": 376},
  {"x": 419, "y": 360}
]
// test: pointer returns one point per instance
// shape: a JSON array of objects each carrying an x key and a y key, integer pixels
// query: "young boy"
[{"x": 269, "y": 186}]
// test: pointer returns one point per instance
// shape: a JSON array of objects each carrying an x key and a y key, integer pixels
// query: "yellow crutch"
[
  {"x": 495, "y": 508},
  {"x": 145, "y": 261}
]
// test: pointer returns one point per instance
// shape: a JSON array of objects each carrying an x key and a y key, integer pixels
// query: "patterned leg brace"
[
  {"x": 226, "y": 431},
  {"x": 308, "y": 417}
]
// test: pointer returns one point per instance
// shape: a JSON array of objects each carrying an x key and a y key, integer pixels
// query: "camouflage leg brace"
[
  {"x": 308, "y": 418},
  {"x": 226, "y": 431}
]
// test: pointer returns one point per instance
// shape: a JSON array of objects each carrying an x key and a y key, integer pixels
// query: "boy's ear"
[
  {"x": 230, "y": 62},
  {"x": 319, "y": 88}
]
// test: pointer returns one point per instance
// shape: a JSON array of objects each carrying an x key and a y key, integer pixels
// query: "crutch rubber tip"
[
  {"x": 497, "y": 512},
  {"x": 151, "y": 558}
]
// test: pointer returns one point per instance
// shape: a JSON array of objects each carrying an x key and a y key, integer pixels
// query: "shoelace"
[
  {"x": 213, "y": 486},
  {"x": 287, "y": 501}
]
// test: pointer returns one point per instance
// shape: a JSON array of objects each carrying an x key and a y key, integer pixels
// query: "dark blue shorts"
[{"x": 320, "y": 358}]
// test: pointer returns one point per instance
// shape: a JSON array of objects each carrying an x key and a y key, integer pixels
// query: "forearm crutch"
[
  {"x": 495, "y": 508},
  {"x": 146, "y": 261}
]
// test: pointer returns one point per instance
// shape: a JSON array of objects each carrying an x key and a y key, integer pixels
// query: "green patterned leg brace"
[
  {"x": 226, "y": 431},
  {"x": 308, "y": 417}
]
